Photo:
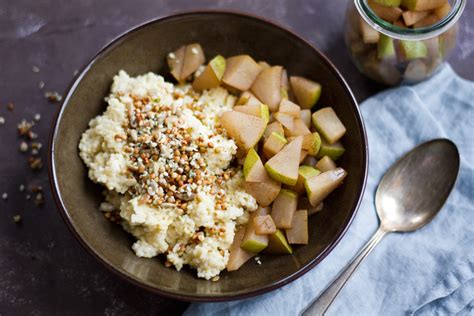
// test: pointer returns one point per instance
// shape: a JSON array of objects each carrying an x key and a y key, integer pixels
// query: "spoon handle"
[{"x": 320, "y": 305}]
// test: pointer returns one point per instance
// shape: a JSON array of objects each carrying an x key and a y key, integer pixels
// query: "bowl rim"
[{"x": 189, "y": 297}]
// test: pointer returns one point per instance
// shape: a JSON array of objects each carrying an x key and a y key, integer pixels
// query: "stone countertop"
[{"x": 43, "y": 270}]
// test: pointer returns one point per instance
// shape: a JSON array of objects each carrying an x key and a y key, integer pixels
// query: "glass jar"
[{"x": 394, "y": 54}]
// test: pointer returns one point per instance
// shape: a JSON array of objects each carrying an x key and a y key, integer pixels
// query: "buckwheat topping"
[{"x": 165, "y": 157}]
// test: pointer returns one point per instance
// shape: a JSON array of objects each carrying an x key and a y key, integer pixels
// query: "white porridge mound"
[{"x": 166, "y": 164}]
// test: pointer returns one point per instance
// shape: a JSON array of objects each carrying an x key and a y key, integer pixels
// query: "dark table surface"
[{"x": 43, "y": 270}]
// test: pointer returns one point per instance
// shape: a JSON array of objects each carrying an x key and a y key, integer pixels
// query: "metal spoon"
[{"x": 410, "y": 194}]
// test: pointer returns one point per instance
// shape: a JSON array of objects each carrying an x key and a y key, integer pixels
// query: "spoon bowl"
[
  {"x": 415, "y": 188},
  {"x": 409, "y": 195}
]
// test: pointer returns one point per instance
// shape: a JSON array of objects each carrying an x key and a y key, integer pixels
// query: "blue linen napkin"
[{"x": 428, "y": 272}]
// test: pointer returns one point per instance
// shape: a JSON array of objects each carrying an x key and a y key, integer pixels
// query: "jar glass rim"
[{"x": 422, "y": 33}]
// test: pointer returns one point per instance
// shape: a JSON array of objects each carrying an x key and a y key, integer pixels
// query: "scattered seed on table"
[
  {"x": 53, "y": 97},
  {"x": 41, "y": 84},
  {"x": 39, "y": 199},
  {"x": 17, "y": 218},
  {"x": 27, "y": 197},
  {"x": 36, "y": 145},
  {"x": 21, "y": 187},
  {"x": 10, "y": 106},
  {"x": 24, "y": 127},
  {"x": 35, "y": 163},
  {"x": 2, "y": 120},
  {"x": 37, "y": 117},
  {"x": 23, "y": 147},
  {"x": 35, "y": 69},
  {"x": 36, "y": 188},
  {"x": 4, "y": 195}
]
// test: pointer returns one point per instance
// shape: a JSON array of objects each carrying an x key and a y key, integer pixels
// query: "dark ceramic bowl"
[{"x": 144, "y": 49}]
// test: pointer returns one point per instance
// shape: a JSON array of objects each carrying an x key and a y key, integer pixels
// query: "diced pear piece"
[
  {"x": 312, "y": 143},
  {"x": 388, "y": 3},
  {"x": 442, "y": 11},
  {"x": 243, "y": 98},
  {"x": 283, "y": 167},
  {"x": 251, "y": 241},
  {"x": 382, "y": 71},
  {"x": 264, "y": 192},
  {"x": 247, "y": 98},
  {"x": 238, "y": 256},
  {"x": 267, "y": 87},
  {"x": 422, "y": 5},
  {"x": 315, "y": 209},
  {"x": 264, "y": 225},
  {"x": 283, "y": 208},
  {"x": 304, "y": 204},
  {"x": 273, "y": 144},
  {"x": 413, "y": 49},
  {"x": 272, "y": 118},
  {"x": 319, "y": 187},
  {"x": 427, "y": 21},
  {"x": 309, "y": 161},
  {"x": 193, "y": 59},
  {"x": 385, "y": 47},
  {"x": 389, "y": 14},
  {"x": 415, "y": 71},
  {"x": 369, "y": 34},
  {"x": 433, "y": 47},
  {"x": 264, "y": 64},
  {"x": 285, "y": 83},
  {"x": 325, "y": 164},
  {"x": 298, "y": 233},
  {"x": 334, "y": 151},
  {"x": 273, "y": 127},
  {"x": 254, "y": 171},
  {"x": 328, "y": 124},
  {"x": 241, "y": 71},
  {"x": 412, "y": 17},
  {"x": 447, "y": 41},
  {"x": 245, "y": 129},
  {"x": 277, "y": 244},
  {"x": 299, "y": 129},
  {"x": 260, "y": 110},
  {"x": 175, "y": 62},
  {"x": 303, "y": 155},
  {"x": 305, "y": 116},
  {"x": 304, "y": 172},
  {"x": 283, "y": 94},
  {"x": 400, "y": 23},
  {"x": 211, "y": 76},
  {"x": 307, "y": 92},
  {"x": 286, "y": 120},
  {"x": 288, "y": 107}
]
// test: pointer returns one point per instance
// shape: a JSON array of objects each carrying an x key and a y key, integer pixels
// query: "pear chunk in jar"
[{"x": 395, "y": 42}]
